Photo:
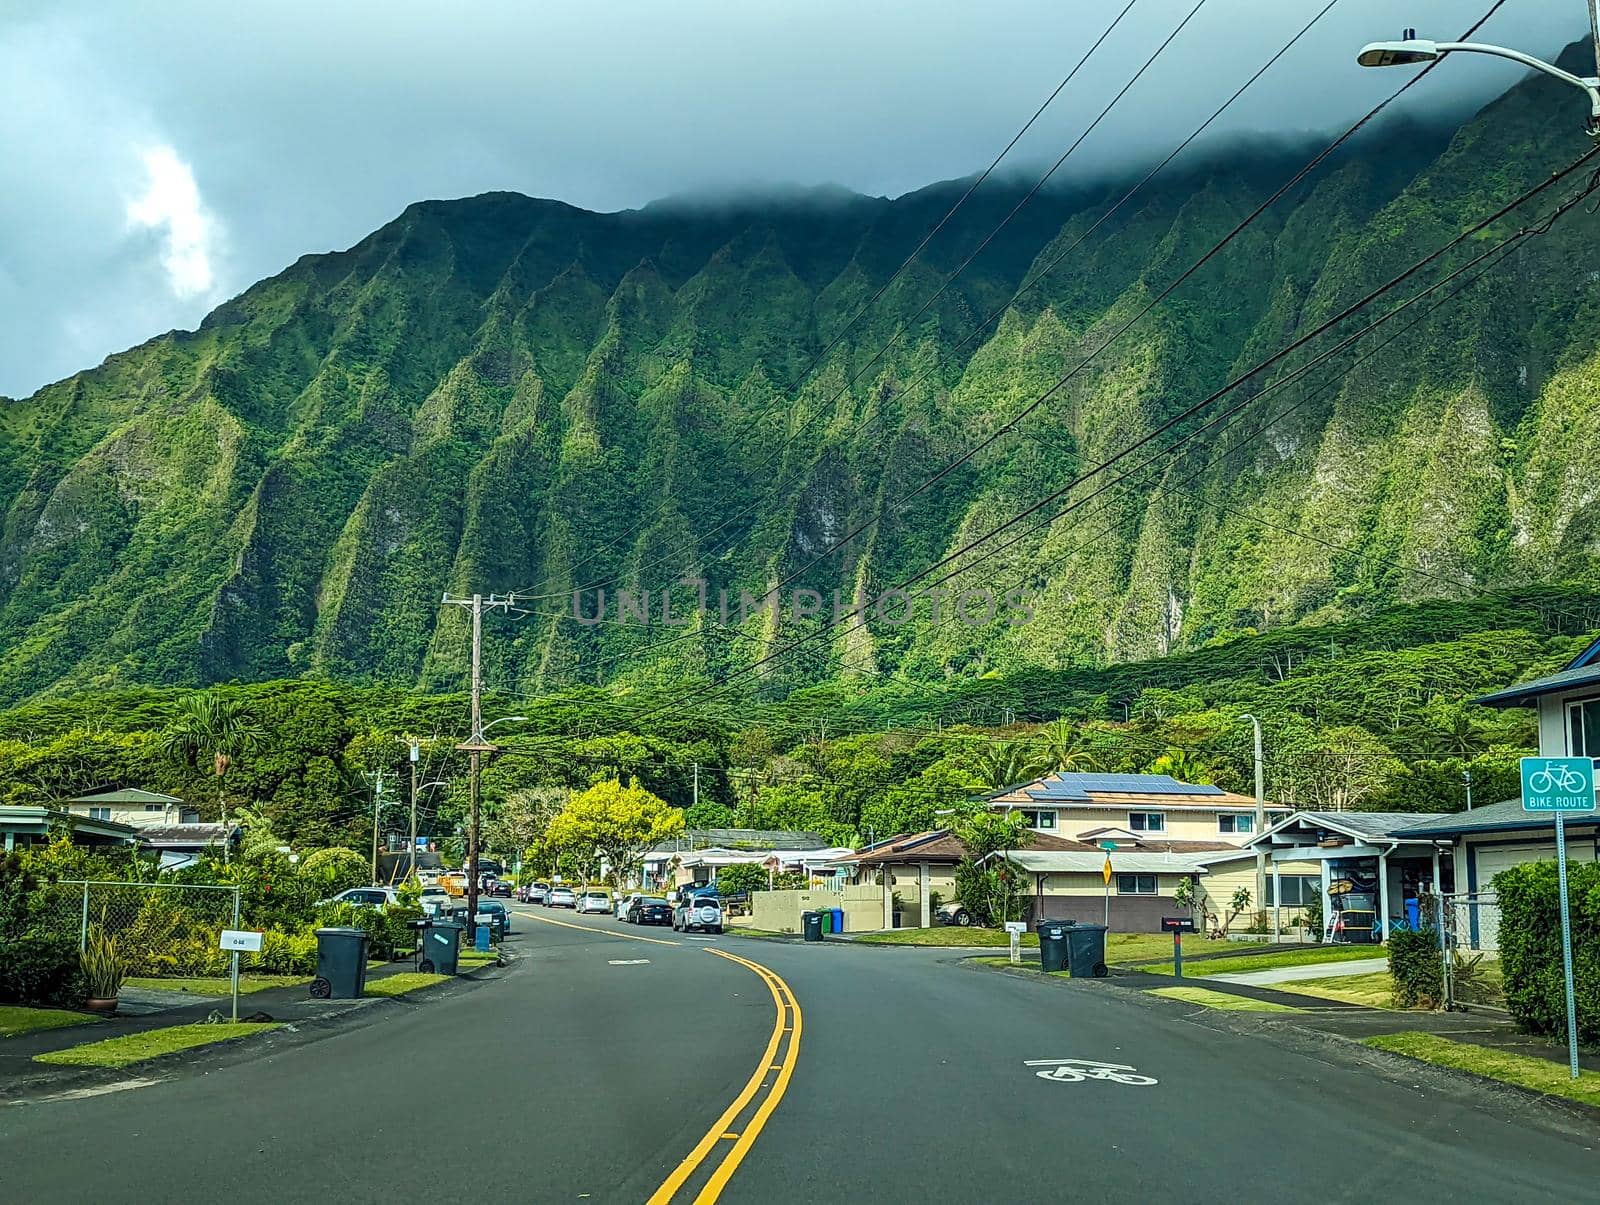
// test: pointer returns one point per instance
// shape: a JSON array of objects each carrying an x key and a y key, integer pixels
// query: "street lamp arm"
[
  {"x": 505, "y": 719},
  {"x": 1527, "y": 60}
]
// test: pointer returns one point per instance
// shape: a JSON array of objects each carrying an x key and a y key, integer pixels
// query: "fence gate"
[
  {"x": 161, "y": 928},
  {"x": 1469, "y": 932}
]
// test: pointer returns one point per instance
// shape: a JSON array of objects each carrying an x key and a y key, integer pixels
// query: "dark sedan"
[{"x": 650, "y": 910}]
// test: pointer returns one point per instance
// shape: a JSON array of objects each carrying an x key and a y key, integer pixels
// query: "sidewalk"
[{"x": 1315, "y": 970}]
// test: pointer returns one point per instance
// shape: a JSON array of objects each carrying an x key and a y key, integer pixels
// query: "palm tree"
[
  {"x": 209, "y": 729},
  {"x": 1004, "y": 763},
  {"x": 1184, "y": 766},
  {"x": 1065, "y": 748}
]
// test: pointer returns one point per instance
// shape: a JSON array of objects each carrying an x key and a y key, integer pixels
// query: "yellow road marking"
[
  {"x": 566, "y": 924},
  {"x": 743, "y": 1142}
]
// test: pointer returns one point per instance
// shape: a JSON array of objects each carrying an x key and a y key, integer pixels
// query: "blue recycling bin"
[
  {"x": 480, "y": 936},
  {"x": 1414, "y": 912},
  {"x": 838, "y": 919}
]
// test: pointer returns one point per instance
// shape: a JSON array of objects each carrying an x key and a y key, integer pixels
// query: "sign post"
[
  {"x": 1561, "y": 785},
  {"x": 236, "y": 940},
  {"x": 1179, "y": 926},
  {"x": 1105, "y": 873}
]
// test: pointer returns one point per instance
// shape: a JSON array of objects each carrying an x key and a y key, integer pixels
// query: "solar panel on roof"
[{"x": 1070, "y": 785}]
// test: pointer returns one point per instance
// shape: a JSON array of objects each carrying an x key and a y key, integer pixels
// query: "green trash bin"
[
  {"x": 341, "y": 964},
  {"x": 827, "y": 920},
  {"x": 1053, "y": 944},
  {"x": 1087, "y": 951},
  {"x": 813, "y": 924},
  {"x": 440, "y": 950}
]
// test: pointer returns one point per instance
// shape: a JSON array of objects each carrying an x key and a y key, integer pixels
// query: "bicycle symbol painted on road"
[
  {"x": 1075, "y": 1071},
  {"x": 1563, "y": 779}
]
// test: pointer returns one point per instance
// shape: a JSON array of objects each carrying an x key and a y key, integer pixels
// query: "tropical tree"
[
  {"x": 1002, "y": 764},
  {"x": 614, "y": 822},
  {"x": 211, "y": 731},
  {"x": 1063, "y": 747},
  {"x": 989, "y": 884},
  {"x": 1184, "y": 766}
]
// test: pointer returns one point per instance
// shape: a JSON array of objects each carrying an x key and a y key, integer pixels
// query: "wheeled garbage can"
[
  {"x": 1088, "y": 951},
  {"x": 838, "y": 919},
  {"x": 1053, "y": 942},
  {"x": 813, "y": 923},
  {"x": 341, "y": 964},
  {"x": 439, "y": 951}
]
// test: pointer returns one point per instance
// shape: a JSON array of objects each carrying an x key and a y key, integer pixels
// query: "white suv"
[
  {"x": 594, "y": 901},
  {"x": 698, "y": 912}
]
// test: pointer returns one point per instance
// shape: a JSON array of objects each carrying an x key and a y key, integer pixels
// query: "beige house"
[
  {"x": 1128, "y": 809},
  {"x": 133, "y": 807}
]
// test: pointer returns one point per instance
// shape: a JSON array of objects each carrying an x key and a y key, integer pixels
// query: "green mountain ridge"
[{"x": 502, "y": 393}]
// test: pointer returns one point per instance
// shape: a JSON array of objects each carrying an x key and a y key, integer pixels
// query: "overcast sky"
[{"x": 156, "y": 159}]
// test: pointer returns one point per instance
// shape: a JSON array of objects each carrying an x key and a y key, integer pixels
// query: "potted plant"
[{"x": 103, "y": 970}]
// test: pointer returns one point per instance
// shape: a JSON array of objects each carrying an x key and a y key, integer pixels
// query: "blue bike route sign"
[{"x": 1558, "y": 784}]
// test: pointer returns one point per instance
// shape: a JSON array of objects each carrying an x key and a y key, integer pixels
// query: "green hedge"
[
  {"x": 1417, "y": 967},
  {"x": 1530, "y": 945}
]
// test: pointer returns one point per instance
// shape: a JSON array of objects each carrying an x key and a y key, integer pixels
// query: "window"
[
  {"x": 1583, "y": 728},
  {"x": 1039, "y": 819},
  {"x": 99, "y": 813},
  {"x": 1147, "y": 822},
  {"x": 152, "y": 807},
  {"x": 1298, "y": 889},
  {"x": 1232, "y": 822},
  {"x": 1136, "y": 884}
]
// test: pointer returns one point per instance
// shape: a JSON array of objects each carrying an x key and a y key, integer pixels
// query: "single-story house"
[
  {"x": 1086, "y": 806},
  {"x": 132, "y": 806},
  {"x": 182, "y": 844},
  {"x": 29, "y": 824},
  {"x": 665, "y": 863},
  {"x": 1368, "y": 868},
  {"x": 702, "y": 865},
  {"x": 1487, "y": 840}
]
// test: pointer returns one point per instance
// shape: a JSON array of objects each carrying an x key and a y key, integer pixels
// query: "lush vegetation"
[
  {"x": 1416, "y": 964},
  {"x": 1530, "y": 946}
]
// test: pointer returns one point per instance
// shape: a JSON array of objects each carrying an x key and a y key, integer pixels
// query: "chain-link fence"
[
  {"x": 1469, "y": 931},
  {"x": 160, "y": 928}
]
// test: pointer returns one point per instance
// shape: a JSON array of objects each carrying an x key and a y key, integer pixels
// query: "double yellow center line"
[{"x": 754, "y": 1104}]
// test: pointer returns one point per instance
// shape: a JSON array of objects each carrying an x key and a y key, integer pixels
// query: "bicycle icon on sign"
[
  {"x": 1075, "y": 1071},
  {"x": 1562, "y": 779}
]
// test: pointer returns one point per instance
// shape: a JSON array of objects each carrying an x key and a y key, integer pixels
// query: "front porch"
[{"x": 1371, "y": 878}]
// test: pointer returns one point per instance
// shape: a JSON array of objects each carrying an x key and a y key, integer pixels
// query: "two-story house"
[
  {"x": 1132, "y": 809},
  {"x": 1487, "y": 840},
  {"x": 132, "y": 806}
]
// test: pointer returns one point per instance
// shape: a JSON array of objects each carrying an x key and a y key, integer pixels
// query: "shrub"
[
  {"x": 284, "y": 953},
  {"x": 1416, "y": 965},
  {"x": 1530, "y": 945},
  {"x": 40, "y": 970}
]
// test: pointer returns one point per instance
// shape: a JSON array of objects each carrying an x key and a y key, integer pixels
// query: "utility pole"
[
  {"x": 377, "y": 796},
  {"x": 416, "y": 754},
  {"x": 1261, "y": 816},
  {"x": 696, "y": 782},
  {"x": 1466, "y": 777},
  {"x": 475, "y": 746}
]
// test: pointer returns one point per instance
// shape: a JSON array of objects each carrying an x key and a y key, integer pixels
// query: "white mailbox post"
[{"x": 247, "y": 941}]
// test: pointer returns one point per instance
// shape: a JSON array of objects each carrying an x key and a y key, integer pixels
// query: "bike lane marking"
[{"x": 1075, "y": 1071}]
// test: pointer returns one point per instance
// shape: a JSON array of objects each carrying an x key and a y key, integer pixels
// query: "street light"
[{"x": 1411, "y": 50}]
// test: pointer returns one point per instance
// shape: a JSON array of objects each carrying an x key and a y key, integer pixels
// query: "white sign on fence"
[{"x": 247, "y": 940}]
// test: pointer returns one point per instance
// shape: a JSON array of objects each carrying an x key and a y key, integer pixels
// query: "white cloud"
[{"x": 172, "y": 205}]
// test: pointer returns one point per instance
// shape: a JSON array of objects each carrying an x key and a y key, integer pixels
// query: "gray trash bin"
[
  {"x": 440, "y": 949},
  {"x": 1088, "y": 946},
  {"x": 1053, "y": 941},
  {"x": 813, "y": 922},
  {"x": 341, "y": 964}
]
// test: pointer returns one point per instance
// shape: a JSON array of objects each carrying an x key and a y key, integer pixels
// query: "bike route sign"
[{"x": 1558, "y": 784}]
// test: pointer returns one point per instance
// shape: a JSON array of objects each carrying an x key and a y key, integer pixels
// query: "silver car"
[
  {"x": 698, "y": 912},
  {"x": 594, "y": 901},
  {"x": 562, "y": 897}
]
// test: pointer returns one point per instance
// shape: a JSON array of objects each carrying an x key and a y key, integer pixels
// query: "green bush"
[
  {"x": 36, "y": 969},
  {"x": 284, "y": 954},
  {"x": 1416, "y": 964},
  {"x": 1530, "y": 945},
  {"x": 388, "y": 929}
]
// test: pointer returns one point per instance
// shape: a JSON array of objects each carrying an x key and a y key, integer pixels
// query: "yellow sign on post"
[{"x": 1105, "y": 872}]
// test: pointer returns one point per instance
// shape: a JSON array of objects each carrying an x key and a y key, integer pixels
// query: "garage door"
[{"x": 1491, "y": 862}]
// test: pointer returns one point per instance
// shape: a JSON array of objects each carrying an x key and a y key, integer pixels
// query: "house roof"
[
  {"x": 184, "y": 836},
  {"x": 1075, "y": 789},
  {"x": 1503, "y": 817},
  {"x": 125, "y": 795},
  {"x": 1122, "y": 862},
  {"x": 941, "y": 845},
  {"x": 1526, "y": 694},
  {"x": 769, "y": 839},
  {"x": 1358, "y": 826},
  {"x": 29, "y": 818}
]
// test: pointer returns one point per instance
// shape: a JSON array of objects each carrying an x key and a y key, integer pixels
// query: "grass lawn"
[
  {"x": 216, "y": 986},
  {"x": 1374, "y": 989},
  {"x": 1525, "y": 1071},
  {"x": 1221, "y": 1000},
  {"x": 472, "y": 959},
  {"x": 15, "y": 1019},
  {"x": 1269, "y": 961},
  {"x": 400, "y": 984},
  {"x": 137, "y": 1047},
  {"x": 1128, "y": 947},
  {"x": 947, "y": 935}
]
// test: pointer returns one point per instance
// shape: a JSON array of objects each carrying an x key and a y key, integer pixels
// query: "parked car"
[
  {"x": 952, "y": 914},
  {"x": 698, "y": 912},
  {"x": 501, "y": 888},
  {"x": 594, "y": 901},
  {"x": 562, "y": 897},
  {"x": 538, "y": 893},
  {"x": 365, "y": 897},
  {"x": 433, "y": 899},
  {"x": 499, "y": 918},
  {"x": 624, "y": 902},
  {"x": 649, "y": 910}
]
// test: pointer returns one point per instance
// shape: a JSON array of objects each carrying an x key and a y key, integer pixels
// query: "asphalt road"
[{"x": 600, "y": 1065}]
